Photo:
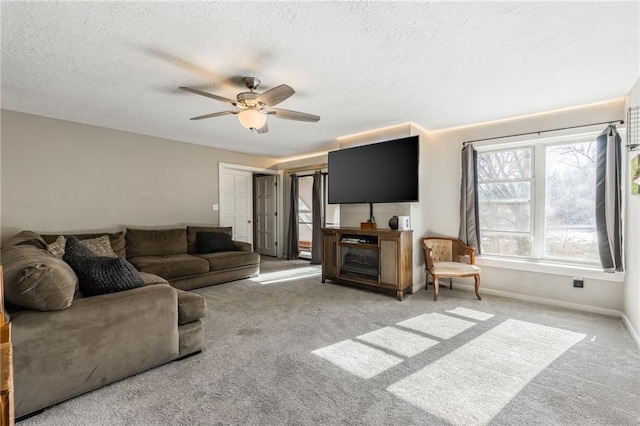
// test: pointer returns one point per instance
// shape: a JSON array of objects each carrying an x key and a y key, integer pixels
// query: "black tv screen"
[{"x": 384, "y": 172}]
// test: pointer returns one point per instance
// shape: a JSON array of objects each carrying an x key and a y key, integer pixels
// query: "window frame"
[{"x": 538, "y": 195}]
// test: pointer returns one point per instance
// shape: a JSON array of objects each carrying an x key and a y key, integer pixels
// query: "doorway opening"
[
  {"x": 330, "y": 213},
  {"x": 249, "y": 199}
]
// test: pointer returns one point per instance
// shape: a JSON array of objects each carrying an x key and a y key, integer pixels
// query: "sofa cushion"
[
  {"x": 156, "y": 242},
  {"x": 116, "y": 239},
  {"x": 151, "y": 279},
  {"x": 56, "y": 248},
  {"x": 192, "y": 232},
  {"x": 99, "y": 246},
  {"x": 191, "y": 307},
  {"x": 171, "y": 266},
  {"x": 230, "y": 259},
  {"x": 26, "y": 237},
  {"x": 99, "y": 274},
  {"x": 214, "y": 242},
  {"x": 36, "y": 279}
]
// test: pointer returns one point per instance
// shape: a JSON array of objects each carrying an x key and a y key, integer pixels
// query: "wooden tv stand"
[{"x": 375, "y": 258}]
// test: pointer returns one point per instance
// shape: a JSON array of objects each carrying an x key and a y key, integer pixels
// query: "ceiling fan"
[{"x": 253, "y": 108}]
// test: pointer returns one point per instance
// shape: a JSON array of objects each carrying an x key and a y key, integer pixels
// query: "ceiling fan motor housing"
[
  {"x": 252, "y": 83},
  {"x": 247, "y": 100}
]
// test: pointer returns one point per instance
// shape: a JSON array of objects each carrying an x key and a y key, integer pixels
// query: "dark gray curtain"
[
  {"x": 609, "y": 199},
  {"x": 469, "y": 221},
  {"x": 317, "y": 221},
  {"x": 293, "y": 252}
]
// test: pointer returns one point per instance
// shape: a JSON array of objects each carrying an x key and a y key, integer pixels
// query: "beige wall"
[
  {"x": 60, "y": 176},
  {"x": 632, "y": 238}
]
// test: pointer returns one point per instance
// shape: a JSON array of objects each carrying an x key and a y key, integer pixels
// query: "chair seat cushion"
[
  {"x": 454, "y": 268},
  {"x": 171, "y": 266},
  {"x": 230, "y": 259}
]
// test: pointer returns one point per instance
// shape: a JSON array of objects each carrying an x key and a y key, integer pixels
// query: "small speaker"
[{"x": 404, "y": 223}]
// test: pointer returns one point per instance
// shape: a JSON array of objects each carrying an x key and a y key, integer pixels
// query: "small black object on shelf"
[{"x": 393, "y": 223}]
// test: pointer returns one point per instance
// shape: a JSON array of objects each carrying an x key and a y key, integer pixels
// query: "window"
[{"x": 537, "y": 200}]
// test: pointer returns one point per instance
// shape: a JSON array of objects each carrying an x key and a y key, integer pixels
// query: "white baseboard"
[
  {"x": 418, "y": 286},
  {"x": 577, "y": 306},
  {"x": 635, "y": 335},
  {"x": 632, "y": 331},
  {"x": 544, "y": 300}
]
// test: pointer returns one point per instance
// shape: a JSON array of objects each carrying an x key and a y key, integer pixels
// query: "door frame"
[{"x": 222, "y": 167}]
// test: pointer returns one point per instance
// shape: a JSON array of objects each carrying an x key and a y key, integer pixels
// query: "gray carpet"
[{"x": 286, "y": 349}]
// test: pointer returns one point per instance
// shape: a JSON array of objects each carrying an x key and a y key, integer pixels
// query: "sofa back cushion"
[
  {"x": 192, "y": 232},
  {"x": 26, "y": 237},
  {"x": 36, "y": 279},
  {"x": 155, "y": 242},
  {"x": 116, "y": 239}
]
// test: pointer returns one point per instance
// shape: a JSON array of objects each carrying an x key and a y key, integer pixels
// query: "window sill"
[{"x": 549, "y": 268}]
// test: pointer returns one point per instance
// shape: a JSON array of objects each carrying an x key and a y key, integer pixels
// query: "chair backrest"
[{"x": 441, "y": 248}]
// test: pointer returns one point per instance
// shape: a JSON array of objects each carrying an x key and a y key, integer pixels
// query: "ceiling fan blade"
[
  {"x": 209, "y": 95},
  {"x": 263, "y": 129},
  {"x": 293, "y": 115},
  {"x": 215, "y": 114},
  {"x": 276, "y": 95}
]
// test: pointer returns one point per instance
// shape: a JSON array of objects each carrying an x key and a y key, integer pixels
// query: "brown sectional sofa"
[
  {"x": 88, "y": 342},
  {"x": 172, "y": 255}
]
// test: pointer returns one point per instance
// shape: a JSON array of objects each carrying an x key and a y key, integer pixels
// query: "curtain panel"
[
  {"x": 293, "y": 251},
  {"x": 469, "y": 232},
  {"x": 609, "y": 199},
  {"x": 317, "y": 219}
]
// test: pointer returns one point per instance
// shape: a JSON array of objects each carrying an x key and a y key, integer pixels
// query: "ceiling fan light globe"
[{"x": 252, "y": 119}]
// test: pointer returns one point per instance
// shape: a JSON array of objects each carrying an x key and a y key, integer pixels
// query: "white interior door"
[
  {"x": 266, "y": 216},
  {"x": 236, "y": 210}
]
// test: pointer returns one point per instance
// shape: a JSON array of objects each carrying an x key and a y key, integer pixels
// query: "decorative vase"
[{"x": 393, "y": 222}]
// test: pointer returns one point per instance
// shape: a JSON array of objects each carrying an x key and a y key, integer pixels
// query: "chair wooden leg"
[
  {"x": 477, "y": 288},
  {"x": 435, "y": 288},
  {"x": 450, "y": 283}
]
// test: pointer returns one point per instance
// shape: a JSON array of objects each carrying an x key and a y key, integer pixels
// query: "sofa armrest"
[
  {"x": 96, "y": 341},
  {"x": 242, "y": 246}
]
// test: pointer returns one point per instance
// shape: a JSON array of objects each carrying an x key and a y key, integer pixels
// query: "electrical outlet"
[{"x": 578, "y": 282}]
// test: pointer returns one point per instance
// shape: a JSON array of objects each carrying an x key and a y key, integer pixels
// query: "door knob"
[{"x": 248, "y": 221}]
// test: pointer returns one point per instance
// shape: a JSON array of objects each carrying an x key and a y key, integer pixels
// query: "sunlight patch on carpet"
[
  {"x": 357, "y": 358},
  {"x": 471, "y": 313},
  {"x": 472, "y": 384},
  {"x": 287, "y": 275},
  {"x": 398, "y": 341},
  {"x": 438, "y": 325}
]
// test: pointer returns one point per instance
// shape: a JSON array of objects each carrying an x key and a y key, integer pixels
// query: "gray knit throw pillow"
[{"x": 100, "y": 275}]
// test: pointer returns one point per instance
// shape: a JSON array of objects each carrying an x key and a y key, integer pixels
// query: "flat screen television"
[{"x": 384, "y": 172}]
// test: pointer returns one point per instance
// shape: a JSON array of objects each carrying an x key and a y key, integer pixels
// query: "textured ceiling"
[{"x": 359, "y": 65}]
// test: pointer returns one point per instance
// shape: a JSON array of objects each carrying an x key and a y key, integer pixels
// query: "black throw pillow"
[
  {"x": 213, "y": 242},
  {"x": 97, "y": 274}
]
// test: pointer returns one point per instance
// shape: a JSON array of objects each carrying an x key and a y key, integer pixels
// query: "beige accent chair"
[{"x": 449, "y": 258}]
